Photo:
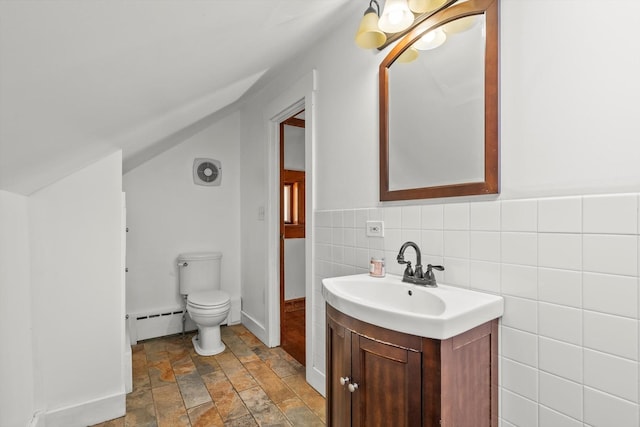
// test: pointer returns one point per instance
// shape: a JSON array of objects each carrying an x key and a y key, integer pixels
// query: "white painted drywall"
[
  {"x": 167, "y": 214},
  {"x": 78, "y": 318},
  {"x": 293, "y": 148},
  {"x": 16, "y": 352}
]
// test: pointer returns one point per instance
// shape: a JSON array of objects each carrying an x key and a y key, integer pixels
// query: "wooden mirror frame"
[{"x": 490, "y": 185}]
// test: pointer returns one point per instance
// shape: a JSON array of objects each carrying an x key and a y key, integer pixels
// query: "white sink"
[{"x": 439, "y": 313}]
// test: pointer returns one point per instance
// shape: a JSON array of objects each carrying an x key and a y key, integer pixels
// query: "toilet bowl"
[
  {"x": 206, "y": 304},
  {"x": 208, "y": 309}
]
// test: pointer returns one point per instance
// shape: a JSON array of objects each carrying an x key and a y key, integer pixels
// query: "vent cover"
[{"x": 207, "y": 172}]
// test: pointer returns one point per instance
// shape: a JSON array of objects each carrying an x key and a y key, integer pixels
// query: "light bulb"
[
  {"x": 395, "y": 17},
  {"x": 431, "y": 40}
]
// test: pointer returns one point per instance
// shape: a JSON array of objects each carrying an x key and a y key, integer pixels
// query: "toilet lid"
[{"x": 208, "y": 298}]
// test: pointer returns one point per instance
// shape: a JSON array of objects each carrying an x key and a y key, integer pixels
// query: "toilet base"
[{"x": 208, "y": 342}]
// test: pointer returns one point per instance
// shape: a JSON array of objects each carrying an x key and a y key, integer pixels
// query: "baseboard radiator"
[{"x": 168, "y": 321}]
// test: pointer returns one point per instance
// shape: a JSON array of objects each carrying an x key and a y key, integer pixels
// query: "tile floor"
[{"x": 248, "y": 384}]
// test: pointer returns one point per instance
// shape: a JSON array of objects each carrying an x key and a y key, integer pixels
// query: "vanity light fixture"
[
  {"x": 431, "y": 40},
  {"x": 369, "y": 35},
  {"x": 377, "y": 29}
]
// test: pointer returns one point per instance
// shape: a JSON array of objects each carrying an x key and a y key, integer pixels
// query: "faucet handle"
[
  {"x": 408, "y": 271},
  {"x": 435, "y": 267}
]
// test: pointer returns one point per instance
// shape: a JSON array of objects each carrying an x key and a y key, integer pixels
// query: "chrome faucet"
[{"x": 417, "y": 276}]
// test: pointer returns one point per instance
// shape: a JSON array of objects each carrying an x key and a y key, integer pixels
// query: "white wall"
[
  {"x": 78, "y": 318},
  {"x": 16, "y": 354},
  {"x": 568, "y": 127},
  {"x": 167, "y": 214}
]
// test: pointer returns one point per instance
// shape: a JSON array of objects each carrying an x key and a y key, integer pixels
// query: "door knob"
[
  {"x": 353, "y": 387},
  {"x": 344, "y": 380}
]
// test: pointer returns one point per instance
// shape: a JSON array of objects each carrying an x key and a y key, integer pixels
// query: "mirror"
[{"x": 439, "y": 106}]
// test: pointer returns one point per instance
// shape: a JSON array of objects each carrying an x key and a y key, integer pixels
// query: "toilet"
[{"x": 207, "y": 305}]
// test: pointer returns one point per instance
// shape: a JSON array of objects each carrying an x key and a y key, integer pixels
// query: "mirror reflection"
[
  {"x": 439, "y": 106},
  {"x": 436, "y": 100}
]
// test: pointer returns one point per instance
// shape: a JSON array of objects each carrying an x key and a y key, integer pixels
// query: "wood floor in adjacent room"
[{"x": 248, "y": 384}]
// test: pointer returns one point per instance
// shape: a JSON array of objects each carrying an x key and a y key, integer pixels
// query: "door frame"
[{"x": 299, "y": 96}]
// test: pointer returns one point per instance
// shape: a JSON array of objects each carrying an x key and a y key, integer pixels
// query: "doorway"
[{"x": 292, "y": 237}]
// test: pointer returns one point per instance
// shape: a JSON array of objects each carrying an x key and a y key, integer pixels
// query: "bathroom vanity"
[{"x": 377, "y": 376}]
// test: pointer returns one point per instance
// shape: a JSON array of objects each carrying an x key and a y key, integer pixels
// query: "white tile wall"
[{"x": 568, "y": 269}]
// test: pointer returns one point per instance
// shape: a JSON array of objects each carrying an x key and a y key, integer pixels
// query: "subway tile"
[
  {"x": 519, "y": 280},
  {"x": 456, "y": 272},
  {"x": 563, "y": 287},
  {"x": 520, "y": 313},
  {"x": 362, "y": 241},
  {"x": 410, "y": 217},
  {"x": 337, "y": 236},
  {"x": 605, "y": 410},
  {"x": 392, "y": 216},
  {"x": 519, "y": 215},
  {"x": 362, "y": 216},
  {"x": 563, "y": 251},
  {"x": 561, "y": 359},
  {"x": 432, "y": 242},
  {"x": 323, "y": 235},
  {"x": 350, "y": 255},
  {"x": 349, "y": 237},
  {"x": 411, "y": 235},
  {"x": 456, "y": 244},
  {"x": 322, "y": 219},
  {"x": 375, "y": 214},
  {"x": 349, "y": 218},
  {"x": 617, "y": 295},
  {"x": 611, "y": 334},
  {"x": 393, "y": 239},
  {"x": 560, "y": 215},
  {"x": 484, "y": 245},
  {"x": 611, "y": 374},
  {"x": 485, "y": 216},
  {"x": 456, "y": 216},
  {"x": 337, "y": 254},
  {"x": 551, "y": 418},
  {"x": 519, "y": 378},
  {"x": 337, "y": 219},
  {"x": 519, "y": 248},
  {"x": 560, "y": 322},
  {"x": 484, "y": 276},
  {"x": 519, "y": 411},
  {"x": 519, "y": 346},
  {"x": 605, "y": 253},
  {"x": 432, "y": 217},
  {"x": 561, "y": 395},
  {"x": 610, "y": 214}
]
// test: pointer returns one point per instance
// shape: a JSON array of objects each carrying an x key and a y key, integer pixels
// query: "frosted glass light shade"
[
  {"x": 369, "y": 35},
  {"x": 408, "y": 55},
  {"x": 431, "y": 40},
  {"x": 422, "y": 6},
  {"x": 396, "y": 16}
]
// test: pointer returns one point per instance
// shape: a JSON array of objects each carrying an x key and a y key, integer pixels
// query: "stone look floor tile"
[
  {"x": 205, "y": 416},
  {"x": 248, "y": 384},
  {"x": 275, "y": 388},
  {"x": 170, "y": 408}
]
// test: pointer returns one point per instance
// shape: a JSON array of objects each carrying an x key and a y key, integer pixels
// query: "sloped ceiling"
[{"x": 82, "y": 78}]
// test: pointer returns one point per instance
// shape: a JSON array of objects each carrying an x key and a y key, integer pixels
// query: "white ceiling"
[{"x": 81, "y": 78}]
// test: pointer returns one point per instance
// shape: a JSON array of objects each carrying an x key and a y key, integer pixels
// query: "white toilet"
[{"x": 207, "y": 305}]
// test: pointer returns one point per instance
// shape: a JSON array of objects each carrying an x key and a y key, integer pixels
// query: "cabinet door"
[
  {"x": 338, "y": 366},
  {"x": 388, "y": 382}
]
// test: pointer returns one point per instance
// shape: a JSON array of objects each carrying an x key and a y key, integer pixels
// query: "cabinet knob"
[
  {"x": 353, "y": 387},
  {"x": 344, "y": 380}
]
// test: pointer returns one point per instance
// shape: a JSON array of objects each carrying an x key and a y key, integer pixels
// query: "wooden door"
[
  {"x": 388, "y": 382},
  {"x": 292, "y": 226}
]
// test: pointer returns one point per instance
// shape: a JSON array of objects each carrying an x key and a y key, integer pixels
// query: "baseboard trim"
[
  {"x": 87, "y": 413},
  {"x": 255, "y": 327},
  {"x": 317, "y": 380}
]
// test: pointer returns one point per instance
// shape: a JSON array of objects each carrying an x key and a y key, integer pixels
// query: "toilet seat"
[{"x": 208, "y": 299}]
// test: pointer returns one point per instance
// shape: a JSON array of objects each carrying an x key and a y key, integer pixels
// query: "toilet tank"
[{"x": 199, "y": 271}]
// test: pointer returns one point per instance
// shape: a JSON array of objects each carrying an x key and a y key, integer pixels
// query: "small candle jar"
[{"x": 376, "y": 267}]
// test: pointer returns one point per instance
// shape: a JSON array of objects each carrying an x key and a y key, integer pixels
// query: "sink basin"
[{"x": 438, "y": 313}]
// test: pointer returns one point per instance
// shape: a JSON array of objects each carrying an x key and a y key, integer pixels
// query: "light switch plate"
[{"x": 375, "y": 228}]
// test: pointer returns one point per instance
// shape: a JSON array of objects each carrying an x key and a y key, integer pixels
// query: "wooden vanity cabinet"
[{"x": 396, "y": 379}]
